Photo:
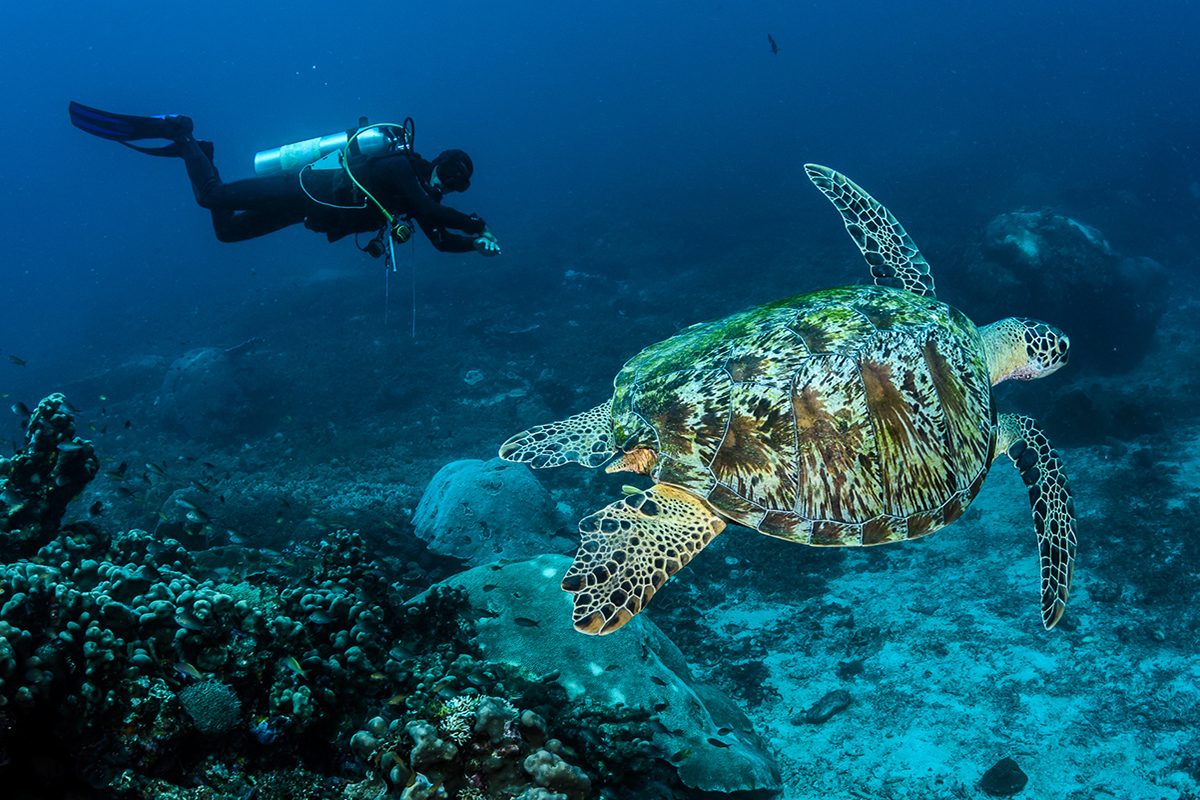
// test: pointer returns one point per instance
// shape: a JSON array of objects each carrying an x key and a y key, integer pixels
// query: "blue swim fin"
[{"x": 124, "y": 128}]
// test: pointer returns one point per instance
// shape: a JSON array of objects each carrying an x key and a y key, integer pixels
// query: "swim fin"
[{"x": 124, "y": 128}]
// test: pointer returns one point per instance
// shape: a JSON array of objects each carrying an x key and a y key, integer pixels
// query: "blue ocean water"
[
  {"x": 641, "y": 165},
  {"x": 669, "y": 117}
]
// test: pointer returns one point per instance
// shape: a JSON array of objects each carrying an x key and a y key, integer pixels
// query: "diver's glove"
[{"x": 486, "y": 244}]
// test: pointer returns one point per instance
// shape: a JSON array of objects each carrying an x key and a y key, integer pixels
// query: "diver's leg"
[
  {"x": 206, "y": 181},
  {"x": 242, "y": 209},
  {"x": 238, "y": 226}
]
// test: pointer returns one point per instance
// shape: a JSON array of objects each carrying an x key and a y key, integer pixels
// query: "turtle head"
[{"x": 1022, "y": 349}]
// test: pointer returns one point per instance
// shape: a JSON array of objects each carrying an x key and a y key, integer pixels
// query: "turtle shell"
[{"x": 848, "y": 416}]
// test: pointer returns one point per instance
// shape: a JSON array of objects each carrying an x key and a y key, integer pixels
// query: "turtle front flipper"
[
  {"x": 893, "y": 256},
  {"x": 1042, "y": 470},
  {"x": 630, "y": 549},
  {"x": 586, "y": 438}
]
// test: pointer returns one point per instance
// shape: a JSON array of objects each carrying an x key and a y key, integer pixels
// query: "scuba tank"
[{"x": 363, "y": 140}]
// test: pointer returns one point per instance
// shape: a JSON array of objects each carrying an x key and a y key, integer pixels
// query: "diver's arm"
[
  {"x": 396, "y": 173},
  {"x": 445, "y": 240}
]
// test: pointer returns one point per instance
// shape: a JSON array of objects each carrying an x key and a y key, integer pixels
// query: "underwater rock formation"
[
  {"x": 201, "y": 393},
  {"x": 525, "y": 620},
  {"x": 483, "y": 511},
  {"x": 37, "y": 483},
  {"x": 1049, "y": 266}
]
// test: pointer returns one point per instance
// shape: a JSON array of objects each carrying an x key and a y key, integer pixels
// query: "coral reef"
[
  {"x": 213, "y": 706},
  {"x": 38, "y": 482},
  {"x": 157, "y": 668},
  {"x": 482, "y": 511}
]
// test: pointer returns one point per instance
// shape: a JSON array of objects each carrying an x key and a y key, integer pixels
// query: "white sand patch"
[{"x": 958, "y": 673}]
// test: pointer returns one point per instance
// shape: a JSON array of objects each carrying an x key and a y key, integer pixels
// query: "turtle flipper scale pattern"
[
  {"x": 891, "y": 253},
  {"x": 586, "y": 438},
  {"x": 629, "y": 550},
  {"x": 1042, "y": 470}
]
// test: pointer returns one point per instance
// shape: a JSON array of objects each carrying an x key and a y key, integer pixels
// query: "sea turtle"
[{"x": 851, "y": 416}]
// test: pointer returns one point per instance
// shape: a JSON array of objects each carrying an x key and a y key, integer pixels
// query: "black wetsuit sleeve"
[{"x": 396, "y": 179}]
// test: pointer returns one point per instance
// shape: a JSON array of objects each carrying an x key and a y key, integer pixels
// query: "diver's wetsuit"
[{"x": 257, "y": 206}]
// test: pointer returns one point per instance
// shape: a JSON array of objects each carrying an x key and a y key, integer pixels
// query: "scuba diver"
[{"x": 367, "y": 179}]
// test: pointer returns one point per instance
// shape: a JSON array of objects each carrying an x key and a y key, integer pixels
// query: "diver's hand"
[{"x": 486, "y": 244}]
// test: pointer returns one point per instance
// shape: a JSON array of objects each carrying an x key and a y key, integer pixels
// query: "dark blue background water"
[{"x": 672, "y": 119}]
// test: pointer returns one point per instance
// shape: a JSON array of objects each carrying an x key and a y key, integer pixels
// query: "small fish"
[
  {"x": 320, "y": 617},
  {"x": 291, "y": 663},
  {"x": 198, "y": 516},
  {"x": 113, "y": 475},
  {"x": 717, "y": 742},
  {"x": 20, "y": 409},
  {"x": 591, "y": 737},
  {"x": 184, "y": 668},
  {"x": 526, "y": 622},
  {"x": 724, "y": 731},
  {"x": 67, "y": 405},
  {"x": 122, "y": 467},
  {"x": 208, "y": 465},
  {"x": 12, "y": 498},
  {"x": 235, "y": 537},
  {"x": 202, "y": 487},
  {"x": 156, "y": 469},
  {"x": 96, "y": 509},
  {"x": 658, "y": 680},
  {"x": 401, "y": 653},
  {"x": 660, "y": 707},
  {"x": 650, "y": 750},
  {"x": 124, "y": 492},
  {"x": 396, "y": 699},
  {"x": 487, "y": 587},
  {"x": 478, "y": 614},
  {"x": 611, "y": 667},
  {"x": 680, "y": 755},
  {"x": 127, "y": 424},
  {"x": 657, "y": 726},
  {"x": 186, "y": 620},
  {"x": 70, "y": 447},
  {"x": 774, "y": 47},
  {"x": 20, "y": 362},
  {"x": 188, "y": 504}
]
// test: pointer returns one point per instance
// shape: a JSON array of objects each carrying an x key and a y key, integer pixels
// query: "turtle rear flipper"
[
  {"x": 586, "y": 438},
  {"x": 1042, "y": 470},
  {"x": 892, "y": 254},
  {"x": 629, "y": 550}
]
